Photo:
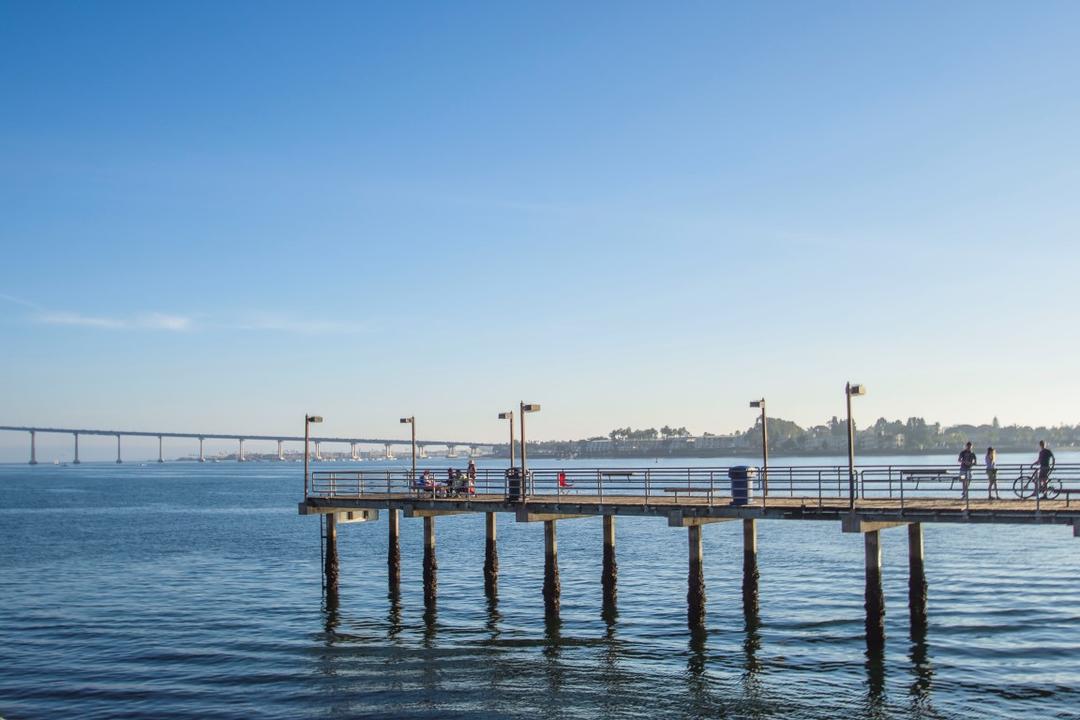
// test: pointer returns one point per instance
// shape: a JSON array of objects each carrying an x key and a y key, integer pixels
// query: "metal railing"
[{"x": 818, "y": 485}]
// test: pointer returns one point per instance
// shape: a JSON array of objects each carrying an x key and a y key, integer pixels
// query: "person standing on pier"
[
  {"x": 991, "y": 474},
  {"x": 967, "y": 460},
  {"x": 1046, "y": 462}
]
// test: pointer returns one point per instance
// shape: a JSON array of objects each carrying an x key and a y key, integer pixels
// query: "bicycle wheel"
[
  {"x": 1023, "y": 488},
  {"x": 1053, "y": 489}
]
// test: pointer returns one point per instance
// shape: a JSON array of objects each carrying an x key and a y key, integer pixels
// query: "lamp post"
[
  {"x": 411, "y": 420},
  {"x": 308, "y": 419},
  {"x": 764, "y": 447},
  {"x": 525, "y": 408},
  {"x": 509, "y": 416},
  {"x": 849, "y": 391}
]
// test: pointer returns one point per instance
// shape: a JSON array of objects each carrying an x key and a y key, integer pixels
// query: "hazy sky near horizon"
[{"x": 218, "y": 216}]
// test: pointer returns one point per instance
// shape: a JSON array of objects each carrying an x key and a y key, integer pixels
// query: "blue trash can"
[{"x": 740, "y": 476}]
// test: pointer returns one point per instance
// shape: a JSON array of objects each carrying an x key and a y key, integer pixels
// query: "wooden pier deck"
[{"x": 874, "y": 500}]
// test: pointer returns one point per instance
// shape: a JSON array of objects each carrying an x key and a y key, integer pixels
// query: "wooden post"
[
  {"x": 331, "y": 567},
  {"x": 431, "y": 565},
  {"x": 610, "y": 571},
  {"x": 917, "y": 588},
  {"x": 491, "y": 558},
  {"x": 393, "y": 550},
  {"x": 750, "y": 571},
  {"x": 552, "y": 587},
  {"x": 695, "y": 596},
  {"x": 875, "y": 597}
]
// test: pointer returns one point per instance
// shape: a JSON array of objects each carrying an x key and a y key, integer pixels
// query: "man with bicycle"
[{"x": 1046, "y": 463}]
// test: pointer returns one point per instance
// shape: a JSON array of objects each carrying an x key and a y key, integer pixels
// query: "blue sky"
[{"x": 215, "y": 216}]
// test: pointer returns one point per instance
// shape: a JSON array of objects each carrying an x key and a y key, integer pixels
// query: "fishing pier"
[{"x": 868, "y": 501}]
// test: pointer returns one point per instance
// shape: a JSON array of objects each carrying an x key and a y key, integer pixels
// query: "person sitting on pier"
[
  {"x": 425, "y": 483},
  {"x": 967, "y": 460}
]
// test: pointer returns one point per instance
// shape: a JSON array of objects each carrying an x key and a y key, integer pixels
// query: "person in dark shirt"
[
  {"x": 1046, "y": 463},
  {"x": 967, "y": 460}
]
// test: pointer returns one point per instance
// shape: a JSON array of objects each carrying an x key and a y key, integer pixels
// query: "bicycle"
[{"x": 1024, "y": 486}]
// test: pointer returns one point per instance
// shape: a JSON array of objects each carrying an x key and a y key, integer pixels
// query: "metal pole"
[
  {"x": 522, "y": 412},
  {"x": 850, "y": 450},
  {"x": 764, "y": 455},
  {"x": 306, "y": 425},
  {"x": 412, "y": 422},
  {"x": 511, "y": 439}
]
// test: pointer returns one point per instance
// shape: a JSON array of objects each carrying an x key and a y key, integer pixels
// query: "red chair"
[{"x": 563, "y": 485}]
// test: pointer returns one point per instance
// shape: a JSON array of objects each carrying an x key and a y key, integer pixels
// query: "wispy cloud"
[
  {"x": 171, "y": 322},
  {"x": 145, "y": 321}
]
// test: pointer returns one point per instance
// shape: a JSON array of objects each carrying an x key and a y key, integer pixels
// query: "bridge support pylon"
[
  {"x": 202, "y": 457},
  {"x": 280, "y": 450},
  {"x": 33, "y": 448},
  {"x": 160, "y": 456},
  {"x": 240, "y": 455},
  {"x": 76, "y": 461},
  {"x": 118, "y": 459},
  {"x": 318, "y": 451}
]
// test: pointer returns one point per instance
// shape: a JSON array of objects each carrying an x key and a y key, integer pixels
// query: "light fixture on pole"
[
  {"x": 764, "y": 447},
  {"x": 411, "y": 420},
  {"x": 849, "y": 391},
  {"x": 509, "y": 416},
  {"x": 525, "y": 408},
  {"x": 308, "y": 419}
]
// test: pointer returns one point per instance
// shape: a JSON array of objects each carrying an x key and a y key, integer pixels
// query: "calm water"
[{"x": 189, "y": 590}]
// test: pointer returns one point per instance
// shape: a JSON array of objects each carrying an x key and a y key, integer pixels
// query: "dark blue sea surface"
[{"x": 193, "y": 591}]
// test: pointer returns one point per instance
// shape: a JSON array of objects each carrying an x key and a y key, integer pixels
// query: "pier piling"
[
  {"x": 695, "y": 596},
  {"x": 393, "y": 550},
  {"x": 491, "y": 557},
  {"x": 609, "y": 573},
  {"x": 552, "y": 586},
  {"x": 917, "y": 587},
  {"x": 330, "y": 570},
  {"x": 875, "y": 597},
  {"x": 750, "y": 571},
  {"x": 431, "y": 565}
]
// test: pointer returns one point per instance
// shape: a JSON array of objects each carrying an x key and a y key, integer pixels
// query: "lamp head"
[
  {"x": 757, "y": 403},
  {"x": 407, "y": 420},
  {"x": 313, "y": 418},
  {"x": 856, "y": 389},
  {"x": 506, "y": 416},
  {"x": 530, "y": 407}
]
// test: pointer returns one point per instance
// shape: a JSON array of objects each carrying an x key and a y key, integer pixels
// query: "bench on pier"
[
  {"x": 920, "y": 474},
  {"x": 686, "y": 490}
]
